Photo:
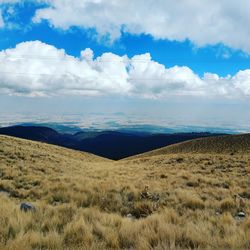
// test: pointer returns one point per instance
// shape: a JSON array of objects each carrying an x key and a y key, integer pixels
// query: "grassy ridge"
[
  {"x": 87, "y": 202},
  {"x": 228, "y": 144}
]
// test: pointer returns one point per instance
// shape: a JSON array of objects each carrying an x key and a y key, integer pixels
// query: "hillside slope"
[
  {"x": 175, "y": 201},
  {"x": 22, "y": 149},
  {"x": 227, "y": 144}
]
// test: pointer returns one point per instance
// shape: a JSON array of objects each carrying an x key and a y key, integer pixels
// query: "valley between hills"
[{"x": 191, "y": 195}]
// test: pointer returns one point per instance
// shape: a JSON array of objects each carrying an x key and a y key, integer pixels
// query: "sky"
[{"x": 187, "y": 61}]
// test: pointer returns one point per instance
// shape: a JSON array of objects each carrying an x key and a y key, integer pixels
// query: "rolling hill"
[
  {"x": 109, "y": 144},
  {"x": 227, "y": 144},
  {"x": 180, "y": 200}
]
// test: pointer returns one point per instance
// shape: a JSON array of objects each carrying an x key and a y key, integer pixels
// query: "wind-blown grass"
[{"x": 86, "y": 202}]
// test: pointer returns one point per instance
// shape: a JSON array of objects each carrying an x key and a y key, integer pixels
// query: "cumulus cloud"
[
  {"x": 202, "y": 22},
  {"x": 38, "y": 69}
]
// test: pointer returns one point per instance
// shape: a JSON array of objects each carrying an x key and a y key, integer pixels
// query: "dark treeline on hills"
[{"x": 109, "y": 144}]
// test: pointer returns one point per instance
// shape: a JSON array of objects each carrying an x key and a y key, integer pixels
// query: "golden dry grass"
[
  {"x": 226, "y": 144},
  {"x": 83, "y": 201}
]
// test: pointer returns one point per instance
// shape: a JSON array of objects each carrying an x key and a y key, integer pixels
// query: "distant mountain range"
[{"x": 109, "y": 144}]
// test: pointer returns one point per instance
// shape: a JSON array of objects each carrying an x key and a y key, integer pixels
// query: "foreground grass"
[{"x": 86, "y": 202}]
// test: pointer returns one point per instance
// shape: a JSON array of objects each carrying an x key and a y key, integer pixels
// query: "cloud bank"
[
  {"x": 202, "y": 22},
  {"x": 38, "y": 69}
]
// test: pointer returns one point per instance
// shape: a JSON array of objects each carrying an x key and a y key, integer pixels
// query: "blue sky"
[{"x": 87, "y": 51}]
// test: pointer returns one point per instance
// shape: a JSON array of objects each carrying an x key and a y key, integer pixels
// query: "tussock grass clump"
[
  {"x": 78, "y": 233},
  {"x": 190, "y": 199},
  {"x": 142, "y": 209},
  {"x": 227, "y": 204}
]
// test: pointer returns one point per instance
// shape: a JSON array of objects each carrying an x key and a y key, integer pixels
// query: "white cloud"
[
  {"x": 1, "y": 19},
  {"x": 38, "y": 69},
  {"x": 10, "y": 10},
  {"x": 203, "y": 22},
  {"x": 242, "y": 81},
  {"x": 8, "y": 1}
]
